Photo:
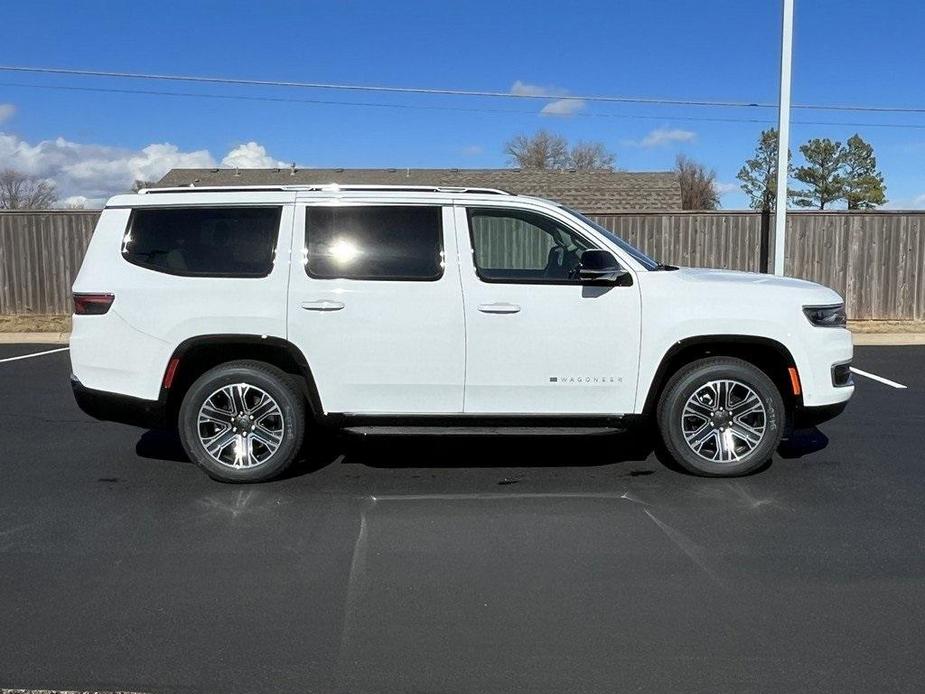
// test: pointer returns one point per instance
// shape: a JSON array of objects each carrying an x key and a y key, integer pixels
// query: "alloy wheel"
[
  {"x": 723, "y": 421},
  {"x": 240, "y": 425}
]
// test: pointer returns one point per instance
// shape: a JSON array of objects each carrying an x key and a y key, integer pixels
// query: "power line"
[
  {"x": 450, "y": 92},
  {"x": 460, "y": 109},
  {"x": 370, "y": 88}
]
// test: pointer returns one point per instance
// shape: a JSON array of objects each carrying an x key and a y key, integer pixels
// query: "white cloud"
[
  {"x": 94, "y": 171},
  {"x": 251, "y": 156},
  {"x": 563, "y": 107},
  {"x": 523, "y": 89},
  {"x": 665, "y": 136},
  {"x": 7, "y": 111},
  {"x": 90, "y": 173},
  {"x": 725, "y": 188},
  {"x": 472, "y": 150},
  {"x": 559, "y": 107}
]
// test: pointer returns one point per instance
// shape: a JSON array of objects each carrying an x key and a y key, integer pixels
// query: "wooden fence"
[
  {"x": 876, "y": 260},
  {"x": 40, "y": 254}
]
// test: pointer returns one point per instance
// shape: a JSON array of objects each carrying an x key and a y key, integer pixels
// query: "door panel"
[
  {"x": 537, "y": 341},
  {"x": 375, "y": 344}
]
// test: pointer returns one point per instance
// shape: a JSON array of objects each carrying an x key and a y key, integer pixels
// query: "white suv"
[{"x": 243, "y": 316}]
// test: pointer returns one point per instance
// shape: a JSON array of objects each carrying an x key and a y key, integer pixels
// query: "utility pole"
[{"x": 783, "y": 137}]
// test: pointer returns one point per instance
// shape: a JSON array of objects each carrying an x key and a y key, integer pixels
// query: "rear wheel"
[
  {"x": 721, "y": 417},
  {"x": 243, "y": 421}
]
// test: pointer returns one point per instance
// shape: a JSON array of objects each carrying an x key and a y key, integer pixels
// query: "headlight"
[{"x": 827, "y": 316}]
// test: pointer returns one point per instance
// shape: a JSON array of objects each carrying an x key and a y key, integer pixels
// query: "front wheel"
[
  {"x": 721, "y": 417},
  {"x": 242, "y": 421}
]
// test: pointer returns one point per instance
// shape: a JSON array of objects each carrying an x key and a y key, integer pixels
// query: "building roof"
[{"x": 586, "y": 191}]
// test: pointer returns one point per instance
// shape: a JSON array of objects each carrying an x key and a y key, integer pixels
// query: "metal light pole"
[{"x": 783, "y": 138}]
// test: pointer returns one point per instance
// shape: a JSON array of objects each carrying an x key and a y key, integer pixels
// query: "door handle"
[
  {"x": 323, "y": 305},
  {"x": 499, "y": 307}
]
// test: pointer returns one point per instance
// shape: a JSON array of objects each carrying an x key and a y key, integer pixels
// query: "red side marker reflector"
[
  {"x": 794, "y": 380},
  {"x": 171, "y": 372},
  {"x": 92, "y": 304}
]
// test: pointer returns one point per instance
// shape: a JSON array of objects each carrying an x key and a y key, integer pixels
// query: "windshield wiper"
[{"x": 663, "y": 266}]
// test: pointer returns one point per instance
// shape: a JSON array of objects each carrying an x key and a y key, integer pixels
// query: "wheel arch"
[
  {"x": 767, "y": 354},
  {"x": 196, "y": 355}
]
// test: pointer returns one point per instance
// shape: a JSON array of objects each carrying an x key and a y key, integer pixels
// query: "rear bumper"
[{"x": 124, "y": 409}]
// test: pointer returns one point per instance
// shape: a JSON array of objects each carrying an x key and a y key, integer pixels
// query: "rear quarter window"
[{"x": 204, "y": 241}]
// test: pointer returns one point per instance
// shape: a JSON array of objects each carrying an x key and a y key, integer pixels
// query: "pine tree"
[
  {"x": 822, "y": 173},
  {"x": 864, "y": 187},
  {"x": 759, "y": 174}
]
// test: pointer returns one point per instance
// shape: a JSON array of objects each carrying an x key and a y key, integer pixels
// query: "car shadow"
[
  {"x": 164, "y": 445},
  {"x": 487, "y": 451},
  {"x": 492, "y": 450},
  {"x": 802, "y": 442},
  {"x": 155, "y": 444}
]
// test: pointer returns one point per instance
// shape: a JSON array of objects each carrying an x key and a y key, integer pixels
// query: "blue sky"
[{"x": 846, "y": 52}]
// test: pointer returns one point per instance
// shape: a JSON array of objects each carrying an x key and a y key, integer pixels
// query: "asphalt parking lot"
[{"x": 514, "y": 565}]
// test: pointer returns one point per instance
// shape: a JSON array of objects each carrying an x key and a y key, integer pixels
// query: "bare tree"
[
  {"x": 591, "y": 156},
  {"x": 698, "y": 191},
  {"x": 139, "y": 184},
  {"x": 19, "y": 191},
  {"x": 547, "y": 151},
  {"x": 543, "y": 150}
]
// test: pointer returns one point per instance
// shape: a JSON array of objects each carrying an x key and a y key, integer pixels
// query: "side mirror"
[{"x": 599, "y": 267}]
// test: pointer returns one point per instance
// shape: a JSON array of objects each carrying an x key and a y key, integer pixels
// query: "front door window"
[{"x": 519, "y": 246}]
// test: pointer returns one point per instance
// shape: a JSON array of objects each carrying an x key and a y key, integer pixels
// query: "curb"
[
  {"x": 888, "y": 339},
  {"x": 34, "y": 338}
]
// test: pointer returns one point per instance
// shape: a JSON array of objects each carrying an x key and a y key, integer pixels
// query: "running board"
[{"x": 388, "y": 430}]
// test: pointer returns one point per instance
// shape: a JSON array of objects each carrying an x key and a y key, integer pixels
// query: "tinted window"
[
  {"x": 204, "y": 241},
  {"x": 521, "y": 246},
  {"x": 374, "y": 243},
  {"x": 636, "y": 254}
]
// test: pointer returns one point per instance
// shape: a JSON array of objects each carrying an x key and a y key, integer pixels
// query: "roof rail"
[{"x": 326, "y": 187}]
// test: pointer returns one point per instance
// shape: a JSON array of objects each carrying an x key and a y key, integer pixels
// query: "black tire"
[
  {"x": 688, "y": 381},
  {"x": 275, "y": 383}
]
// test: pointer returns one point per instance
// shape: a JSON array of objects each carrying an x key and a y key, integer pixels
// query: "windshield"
[{"x": 636, "y": 254}]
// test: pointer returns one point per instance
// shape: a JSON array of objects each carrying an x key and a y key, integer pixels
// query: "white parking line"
[
  {"x": 875, "y": 377},
  {"x": 36, "y": 354}
]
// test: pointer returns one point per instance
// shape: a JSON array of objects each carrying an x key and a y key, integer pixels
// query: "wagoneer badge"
[{"x": 585, "y": 379}]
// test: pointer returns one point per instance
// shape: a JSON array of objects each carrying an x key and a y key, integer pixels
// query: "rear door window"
[
  {"x": 374, "y": 242},
  {"x": 204, "y": 241}
]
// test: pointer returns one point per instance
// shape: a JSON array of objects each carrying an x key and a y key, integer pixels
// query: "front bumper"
[
  {"x": 823, "y": 359},
  {"x": 124, "y": 409}
]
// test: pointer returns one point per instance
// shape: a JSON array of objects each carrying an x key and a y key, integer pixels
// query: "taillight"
[{"x": 92, "y": 304}]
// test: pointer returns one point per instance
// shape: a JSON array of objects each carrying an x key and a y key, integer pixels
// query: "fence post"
[{"x": 764, "y": 261}]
